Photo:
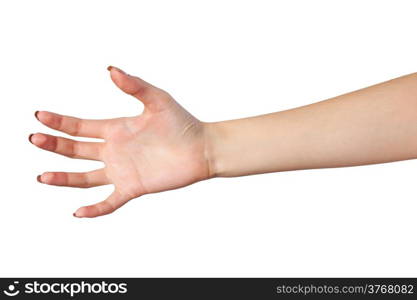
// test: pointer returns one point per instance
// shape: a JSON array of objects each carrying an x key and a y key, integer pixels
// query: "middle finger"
[{"x": 67, "y": 147}]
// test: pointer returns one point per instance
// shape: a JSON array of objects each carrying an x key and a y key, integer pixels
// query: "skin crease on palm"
[
  {"x": 161, "y": 149},
  {"x": 166, "y": 148}
]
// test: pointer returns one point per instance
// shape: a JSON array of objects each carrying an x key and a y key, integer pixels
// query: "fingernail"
[
  {"x": 36, "y": 114},
  {"x": 30, "y": 136},
  {"x": 38, "y": 178},
  {"x": 116, "y": 69}
]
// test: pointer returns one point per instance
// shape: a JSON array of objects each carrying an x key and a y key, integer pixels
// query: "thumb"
[{"x": 151, "y": 96}]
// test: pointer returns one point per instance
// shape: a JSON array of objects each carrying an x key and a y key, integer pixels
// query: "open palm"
[{"x": 161, "y": 149}]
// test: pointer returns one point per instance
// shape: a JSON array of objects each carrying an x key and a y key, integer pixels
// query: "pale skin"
[{"x": 165, "y": 147}]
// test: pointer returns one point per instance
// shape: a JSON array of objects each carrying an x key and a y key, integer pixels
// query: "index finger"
[{"x": 71, "y": 125}]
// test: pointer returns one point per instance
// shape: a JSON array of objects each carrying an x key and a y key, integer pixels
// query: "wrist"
[{"x": 212, "y": 149}]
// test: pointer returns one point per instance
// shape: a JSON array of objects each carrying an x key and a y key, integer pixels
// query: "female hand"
[
  {"x": 161, "y": 149},
  {"x": 166, "y": 148}
]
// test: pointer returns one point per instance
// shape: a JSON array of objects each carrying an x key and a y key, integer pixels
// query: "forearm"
[{"x": 372, "y": 125}]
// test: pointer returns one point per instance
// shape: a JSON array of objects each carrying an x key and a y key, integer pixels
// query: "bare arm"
[
  {"x": 165, "y": 147},
  {"x": 372, "y": 125}
]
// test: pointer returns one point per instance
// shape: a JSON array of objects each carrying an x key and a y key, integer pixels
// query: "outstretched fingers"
[
  {"x": 73, "y": 126},
  {"x": 113, "y": 202},
  {"x": 80, "y": 180},
  {"x": 67, "y": 147}
]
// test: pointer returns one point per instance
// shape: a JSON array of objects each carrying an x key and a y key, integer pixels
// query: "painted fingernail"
[
  {"x": 116, "y": 69},
  {"x": 38, "y": 178},
  {"x": 30, "y": 136},
  {"x": 36, "y": 114}
]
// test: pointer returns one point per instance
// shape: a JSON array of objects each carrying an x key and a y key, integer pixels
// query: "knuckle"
[
  {"x": 72, "y": 149},
  {"x": 162, "y": 95},
  {"x": 76, "y": 128},
  {"x": 98, "y": 151},
  {"x": 85, "y": 181}
]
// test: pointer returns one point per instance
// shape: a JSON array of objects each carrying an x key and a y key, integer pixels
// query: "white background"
[{"x": 220, "y": 60}]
